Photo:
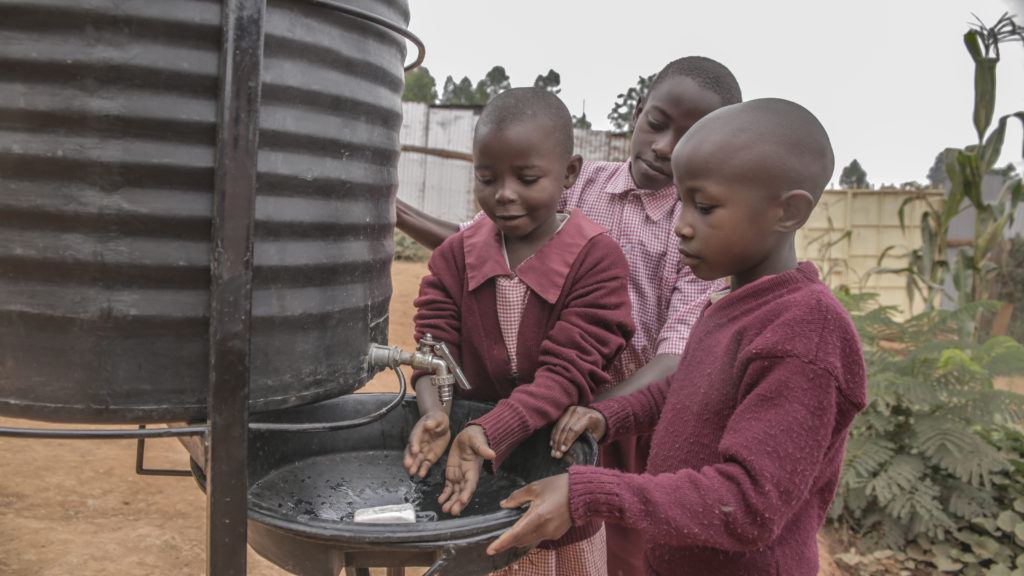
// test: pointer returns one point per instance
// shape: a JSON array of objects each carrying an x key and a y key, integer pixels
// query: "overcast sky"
[{"x": 889, "y": 79}]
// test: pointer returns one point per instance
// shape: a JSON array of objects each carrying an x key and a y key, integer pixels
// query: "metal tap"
[{"x": 431, "y": 355}]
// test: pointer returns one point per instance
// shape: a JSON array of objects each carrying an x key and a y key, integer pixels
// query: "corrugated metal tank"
[{"x": 107, "y": 141}]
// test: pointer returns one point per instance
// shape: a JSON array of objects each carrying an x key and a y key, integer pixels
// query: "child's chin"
[
  {"x": 705, "y": 273},
  {"x": 648, "y": 179}
]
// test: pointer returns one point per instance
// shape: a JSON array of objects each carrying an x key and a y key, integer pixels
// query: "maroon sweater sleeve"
[
  {"x": 439, "y": 302},
  {"x": 591, "y": 331},
  {"x": 771, "y": 451},
  {"x": 634, "y": 414}
]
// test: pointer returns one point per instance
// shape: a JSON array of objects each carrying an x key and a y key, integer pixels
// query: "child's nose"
[
  {"x": 663, "y": 145},
  {"x": 505, "y": 194},
  {"x": 683, "y": 228}
]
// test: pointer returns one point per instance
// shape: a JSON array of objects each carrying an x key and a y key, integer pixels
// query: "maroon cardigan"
[
  {"x": 576, "y": 321},
  {"x": 748, "y": 439}
]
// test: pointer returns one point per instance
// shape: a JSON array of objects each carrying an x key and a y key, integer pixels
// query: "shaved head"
[
  {"x": 534, "y": 105},
  {"x": 776, "y": 143}
]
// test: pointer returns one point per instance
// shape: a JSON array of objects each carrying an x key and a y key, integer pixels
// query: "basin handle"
[{"x": 441, "y": 563}]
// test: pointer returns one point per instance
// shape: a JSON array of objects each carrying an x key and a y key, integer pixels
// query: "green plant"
[
  {"x": 822, "y": 243},
  {"x": 1011, "y": 284},
  {"x": 933, "y": 465},
  {"x": 972, "y": 269},
  {"x": 409, "y": 250}
]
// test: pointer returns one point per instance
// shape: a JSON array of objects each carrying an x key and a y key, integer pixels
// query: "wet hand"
[
  {"x": 548, "y": 517},
  {"x": 572, "y": 424},
  {"x": 427, "y": 443},
  {"x": 466, "y": 457}
]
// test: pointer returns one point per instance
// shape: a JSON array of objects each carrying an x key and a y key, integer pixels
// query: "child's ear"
[
  {"x": 572, "y": 170},
  {"x": 796, "y": 209}
]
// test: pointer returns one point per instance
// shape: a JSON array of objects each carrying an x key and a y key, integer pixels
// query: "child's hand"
[
  {"x": 548, "y": 517},
  {"x": 465, "y": 459},
  {"x": 427, "y": 442},
  {"x": 572, "y": 424}
]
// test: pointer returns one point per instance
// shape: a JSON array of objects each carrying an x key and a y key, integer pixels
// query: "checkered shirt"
[
  {"x": 667, "y": 298},
  {"x": 511, "y": 295},
  {"x": 583, "y": 558}
]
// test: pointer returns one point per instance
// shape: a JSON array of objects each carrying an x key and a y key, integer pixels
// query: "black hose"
[
  {"x": 120, "y": 434},
  {"x": 100, "y": 433},
  {"x": 341, "y": 425}
]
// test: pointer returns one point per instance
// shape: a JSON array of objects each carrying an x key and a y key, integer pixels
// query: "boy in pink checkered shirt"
[{"x": 637, "y": 202}]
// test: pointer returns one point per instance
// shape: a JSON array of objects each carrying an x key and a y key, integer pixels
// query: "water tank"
[{"x": 107, "y": 144}]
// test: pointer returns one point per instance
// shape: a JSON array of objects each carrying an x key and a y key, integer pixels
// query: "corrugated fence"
[{"x": 434, "y": 171}]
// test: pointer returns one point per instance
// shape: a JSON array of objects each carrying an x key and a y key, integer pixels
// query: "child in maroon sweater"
[
  {"x": 532, "y": 303},
  {"x": 748, "y": 441}
]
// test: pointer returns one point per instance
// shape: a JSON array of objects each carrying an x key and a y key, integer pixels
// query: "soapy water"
[{"x": 334, "y": 486}]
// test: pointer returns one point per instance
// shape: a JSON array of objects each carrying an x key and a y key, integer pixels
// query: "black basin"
[{"x": 303, "y": 488}]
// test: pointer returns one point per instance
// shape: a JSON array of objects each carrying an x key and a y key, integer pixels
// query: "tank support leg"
[{"x": 234, "y": 199}]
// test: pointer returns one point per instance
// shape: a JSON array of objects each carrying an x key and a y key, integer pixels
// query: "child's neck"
[
  {"x": 519, "y": 249},
  {"x": 780, "y": 260}
]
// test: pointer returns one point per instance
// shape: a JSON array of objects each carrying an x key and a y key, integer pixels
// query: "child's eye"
[
  {"x": 485, "y": 180},
  {"x": 529, "y": 179},
  {"x": 705, "y": 209},
  {"x": 656, "y": 125}
]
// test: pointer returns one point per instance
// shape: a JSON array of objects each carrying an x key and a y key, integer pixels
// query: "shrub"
[
  {"x": 935, "y": 464},
  {"x": 407, "y": 249}
]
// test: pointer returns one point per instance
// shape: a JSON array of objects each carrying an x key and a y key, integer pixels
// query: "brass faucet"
[{"x": 431, "y": 355}]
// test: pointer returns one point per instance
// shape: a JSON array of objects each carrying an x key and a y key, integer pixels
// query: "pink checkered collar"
[
  {"x": 657, "y": 203},
  {"x": 544, "y": 272}
]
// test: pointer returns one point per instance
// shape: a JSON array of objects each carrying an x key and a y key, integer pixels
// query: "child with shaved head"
[{"x": 749, "y": 439}]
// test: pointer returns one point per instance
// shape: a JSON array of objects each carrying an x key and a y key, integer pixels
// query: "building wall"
[{"x": 871, "y": 219}]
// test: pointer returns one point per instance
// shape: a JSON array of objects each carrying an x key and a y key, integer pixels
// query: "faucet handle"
[{"x": 442, "y": 350}]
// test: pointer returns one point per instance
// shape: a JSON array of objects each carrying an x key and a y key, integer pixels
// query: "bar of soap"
[{"x": 393, "y": 514}]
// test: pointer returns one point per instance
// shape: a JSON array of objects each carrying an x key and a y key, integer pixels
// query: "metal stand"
[{"x": 231, "y": 287}]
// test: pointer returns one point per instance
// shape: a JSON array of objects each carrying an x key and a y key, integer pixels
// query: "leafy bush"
[
  {"x": 935, "y": 464},
  {"x": 409, "y": 250}
]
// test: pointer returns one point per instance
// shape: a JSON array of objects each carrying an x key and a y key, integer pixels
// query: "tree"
[
  {"x": 581, "y": 122},
  {"x": 621, "y": 116},
  {"x": 493, "y": 83},
  {"x": 854, "y": 177},
  {"x": 551, "y": 82},
  {"x": 937, "y": 173},
  {"x": 458, "y": 93},
  {"x": 1007, "y": 172},
  {"x": 420, "y": 86}
]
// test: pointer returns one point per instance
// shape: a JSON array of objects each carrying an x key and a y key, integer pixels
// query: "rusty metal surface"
[{"x": 107, "y": 145}]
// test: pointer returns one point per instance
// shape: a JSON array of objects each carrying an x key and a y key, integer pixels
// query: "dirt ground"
[{"x": 77, "y": 508}]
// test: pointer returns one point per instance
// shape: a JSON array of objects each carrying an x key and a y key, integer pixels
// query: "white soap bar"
[{"x": 393, "y": 514}]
